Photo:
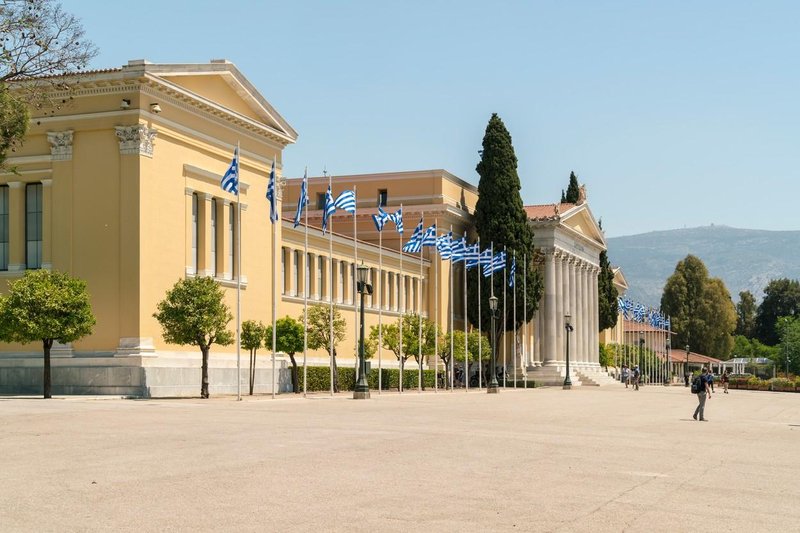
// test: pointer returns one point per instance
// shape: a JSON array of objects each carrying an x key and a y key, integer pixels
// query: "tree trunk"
[
  {"x": 46, "y": 380},
  {"x": 204, "y": 383},
  {"x": 295, "y": 379},
  {"x": 252, "y": 370},
  {"x": 335, "y": 373}
]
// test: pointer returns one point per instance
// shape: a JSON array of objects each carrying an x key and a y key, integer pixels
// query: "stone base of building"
[
  {"x": 154, "y": 376},
  {"x": 553, "y": 375}
]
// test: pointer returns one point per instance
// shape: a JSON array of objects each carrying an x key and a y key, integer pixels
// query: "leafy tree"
[
  {"x": 500, "y": 219},
  {"x": 744, "y": 347},
  {"x": 746, "y": 314},
  {"x": 289, "y": 340},
  {"x": 252, "y": 340},
  {"x": 319, "y": 333},
  {"x": 476, "y": 344},
  {"x": 573, "y": 190},
  {"x": 194, "y": 313},
  {"x": 46, "y": 306},
  {"x": 40, "y": 40},
  {"x": 788, "y": 354},
  {"x": 781, "y": 298},
  {"x": 607, "y": 294},
  {"x": 411, "y": 324},
  {"x": 700, "y": 309}
]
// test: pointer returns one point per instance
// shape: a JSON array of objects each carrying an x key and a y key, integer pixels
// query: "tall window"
[
  {"x": 391, "y": 298},
  {"x": 383, "y": 197},
  {"x": 283, "y": 270},
  {"x": 320, "y": 200},
  {"x": 307, "y": 277},
  {"x": 214, "y": 237},
  {"x": 340, "y": 281},
  {"x": 320, "y": 269},
  {"x": 3, "y": 227},
  {"x": 33, "y": 225},
  {"x": 353, "y": 281},
  {"x": 296, "y": 273},
  {"x": 231, "y": 240},
  {"x": 194, "y": 233}
]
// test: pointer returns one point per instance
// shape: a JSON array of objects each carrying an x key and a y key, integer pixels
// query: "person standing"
[
  {"x": 725, "y": 379},
  {"x": 700, "y": 387},
  {"x": 710, "y": 379},
  {"x": 625, "y": 376},
  {"x": 636, "y": 375}
]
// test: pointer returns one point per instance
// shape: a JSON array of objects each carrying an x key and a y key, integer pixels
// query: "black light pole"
[
  {"x": 361, "y": 391},
  {"x": 568, "y": 327},
  {"x": 493, "y": 387},
  {"x": 686, "y": 370}
]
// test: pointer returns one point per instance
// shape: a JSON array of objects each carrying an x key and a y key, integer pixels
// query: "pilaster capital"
[
  {"x": 15, "y": 184},
  {"x": 136, "y": 139},
  {"x": 46, "y": 182},
  {"x": 188, "y": 191},
  {"x": 60, "y": 144},
  {"x": 205, "y": 196},
  {"x": 280, "y": 184}
]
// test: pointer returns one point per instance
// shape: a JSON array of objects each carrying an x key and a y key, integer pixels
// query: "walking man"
[
  {"x": 636, "y": 375},
  {"x": 725, "y": 379},
  {"x": 700, "y": 387}
]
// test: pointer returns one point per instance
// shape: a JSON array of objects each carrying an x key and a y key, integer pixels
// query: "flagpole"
[
  {"x": 274, "y": 268},
  {"x": 379, "y": 292},
  {"x": 480, "y": 339},
  {"x": 330, "y": 289},
  {"x": 514, "y": 287},
  {"x": 238, "y": 286},
  {"x": 419, "y": 317},
  {"x": 400, "y": 306},
  {"x": 353, "y": 280},
  {"x": 525, "y": 316},
  {"x": 306, "y": 287},
  {"x": 452, "y": 312},
  {"x": 436, "y": 320},
  {"x": 466, "y": 341},
  {"x": 491, "y": 286},
  {"x": 505, "y": 321}
]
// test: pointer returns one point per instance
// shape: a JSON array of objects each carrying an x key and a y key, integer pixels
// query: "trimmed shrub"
[{"x": 319, "y": 378}]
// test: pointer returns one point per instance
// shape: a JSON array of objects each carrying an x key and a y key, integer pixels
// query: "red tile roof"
[{"x": 546, "y": 211}]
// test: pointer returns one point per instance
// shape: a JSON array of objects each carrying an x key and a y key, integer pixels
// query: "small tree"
[
  {"x": 289, "y": 340},
  {"x": 46, "y": 306},
  {"x": 607, "y": 295},
  {"x": 252, "y": 340},
  {"x": 477, "y": 344},
  {"x": 573, "y": 190},
  {"x": 319, "y": 333},
  {"x": 194, "y": 313}
]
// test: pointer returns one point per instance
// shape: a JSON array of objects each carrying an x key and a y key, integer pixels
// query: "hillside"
[{"x": 745, "y": 259}]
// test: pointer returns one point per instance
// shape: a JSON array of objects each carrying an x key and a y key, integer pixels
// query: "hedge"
[
  {"x": 319, "y": 378},
  {"x": 774, "y": 384}
]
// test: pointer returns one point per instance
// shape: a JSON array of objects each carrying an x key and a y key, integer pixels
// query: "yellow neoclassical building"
[{"x": 121, "y": 188}]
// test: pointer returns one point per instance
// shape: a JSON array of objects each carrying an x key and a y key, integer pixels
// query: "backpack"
[{"x": 697, "y": 386}]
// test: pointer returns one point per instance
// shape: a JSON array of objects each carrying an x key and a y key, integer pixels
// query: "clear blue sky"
[{"x": 675, "y": 114}]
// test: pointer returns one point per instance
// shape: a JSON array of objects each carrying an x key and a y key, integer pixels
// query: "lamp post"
[
  {"x": 686, "y": 370},
  {"x": 568, "y": 327},
  {"x": 361, "y": 391},
  {"x": 668, "y": 365},
  {"x": 493, "y": 387}
]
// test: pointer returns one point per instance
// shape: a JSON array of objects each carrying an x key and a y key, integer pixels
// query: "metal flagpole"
[
  {"x": 436, "y": 321},
  {"x": 452, "y": 353},
  {"x": 505, "y": 321},
  {"x": 274, "y": 268},
  {"x": 306, "y": 287},
  {"x": 491, "y": 286},
  {"x": 480, "y": 344},
  {"x": 400, "y": 306},
  {"x": 466, "y": 343},
  {"x": 514, "y": 288},
  {"x": 525, "y": 316},
  {"x": 379, "y": 292},
  {"x": 353, "y": 279},
  {"x": 330, "y": 287},
  {"x": 239, "y": 285},
  {"x": 418, "y": 302}
]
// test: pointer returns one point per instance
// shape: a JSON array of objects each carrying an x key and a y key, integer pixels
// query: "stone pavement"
[{"x": 590, "y": 459}]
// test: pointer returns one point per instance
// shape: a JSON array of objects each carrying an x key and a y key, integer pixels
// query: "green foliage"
[
  {"x": 194, "y": 313},
  {"x": 252, "y": 335},
  {"x": 744, "y": 347},
  {"x": 607, "y": 294},
  {"x": 46, "y": 306},
  {"x": 319, "y": 327},
  {"x": 475, "y": 344},
  {"x": 288, "y": 336},
  {"x": 788, "y": 353},
  {"x": 781, "y": 298},
  {"x": 500, "y": 218},
  {"x": 411, "y": 335},
  {"x": 607, "y": 354},
  {"x": 14, "y": 119},
  {"x": 700, "y": 308},
  {"x": 319, "y": 378},
  {"x": 573, "y": 190},
  {"x": 746, "y": 314}
]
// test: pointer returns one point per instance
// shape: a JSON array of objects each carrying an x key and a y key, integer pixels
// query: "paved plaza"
[{"x": 590, "y": 459}]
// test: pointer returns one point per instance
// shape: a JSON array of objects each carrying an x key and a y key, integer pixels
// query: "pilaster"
[
  {"x": 204, "y": 234},
  {"x": 549, "y": 337},
  {"x": 559, "y": 295},
  {"x": 16, "y": 226},
  {"x": 47, "y": 224}
]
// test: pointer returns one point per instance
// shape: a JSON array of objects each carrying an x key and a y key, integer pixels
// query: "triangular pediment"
[{"x": 580, "y": 220}]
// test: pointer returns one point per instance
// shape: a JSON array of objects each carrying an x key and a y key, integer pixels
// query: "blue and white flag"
[
  {"x": 397, "y": 218},
  {"x": 482, "y": 258},
  {"x": 638, "y": 313},
  {"x": 513, "y": 272},
  {"x": 380, "y": 218},
  {"x": 414, "y": 244},
  {"x": 457, "y": 249},
  {"x": 230, "y": 180},
  {"x": 346, "y": 201},
  {"x": 303, "y": 200},
  {"x": 498, "y": 263},
  {"x": 667, "y": 325},
  {"x": 328, "y": 210},
  {"x": 429, "y": 238},
  {"x": 471, "y": 253},
  {"x": 444, "y": 245},
  {"x": 273, "y": 208}
]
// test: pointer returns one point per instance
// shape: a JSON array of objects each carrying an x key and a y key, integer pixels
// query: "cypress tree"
[
  {"x": 607, "y": 294},
  {"x": 573, "y": 190},
  {"x": 500, "y": 219}
]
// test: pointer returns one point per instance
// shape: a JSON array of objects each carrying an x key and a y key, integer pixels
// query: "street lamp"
[
  {"x": 686, "y": 370},
  {"x": 493, "y": 387},
  {"x": 361, "y": 391},
  {"x": 568, "y": 327},
  {"x": 668, "y": 364}
]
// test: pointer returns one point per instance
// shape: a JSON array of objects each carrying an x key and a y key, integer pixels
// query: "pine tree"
[
  {"x": 746, "y": 314},
  {"x": 573, "y": 191},
  {"x": 607, "y": 294},
  {"x": 500, "y": 219}
]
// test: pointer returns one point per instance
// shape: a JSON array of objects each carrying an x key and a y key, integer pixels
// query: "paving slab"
[{"x": 589, "y": 459}]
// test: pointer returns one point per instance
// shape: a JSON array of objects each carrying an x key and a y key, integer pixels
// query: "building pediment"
[{"x": 579, "y": 219}]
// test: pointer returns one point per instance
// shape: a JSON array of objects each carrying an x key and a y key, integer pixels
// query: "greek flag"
[
  {"x": 397, "y": 218},
  {"x": 414, "y": 244},
  {"x": 346, "y": 201},
  {"x": 668, "y": 325},
  {"x": 458, "y": 248},
  {"x": 230, "y": 180},
  {"x": 328, "y": 210},
  {"x": 380, "y": 218},
  {"x": 498, "y": 262},
  {"x": 444, "y": 245},
  {"x": 303, "y": 200},
  {"x": 429, "y": 238},
  {"x": 273, "y": 211},
  {"x": 513, "y": 272},
  {"x": 475, "y": 257},
  {"x": 638, "y": 313}
]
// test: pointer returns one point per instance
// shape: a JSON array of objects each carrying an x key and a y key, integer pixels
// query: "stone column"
[
  {"x": 595, "y": 347},
  {"x": 203, "y": 234},
  {"x": 549, "y": 333},
  {"x": 300, "y": 289},
  {"x": 325, "y": 286},
  {"x": 566, "y": 260},
  {"x": 573, "y": 303},
  {"x": 580, "y": 324},
  {"x": 225, "y": 244},
  {"x": 383, "y": 290},
  {"x": 559, "y": 300},
  {"x": 16, "y": 226},
  {"x": 587, "y": 326}
]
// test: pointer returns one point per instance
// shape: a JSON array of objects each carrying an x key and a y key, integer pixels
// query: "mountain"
[{"x": 745, "y": 259}]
